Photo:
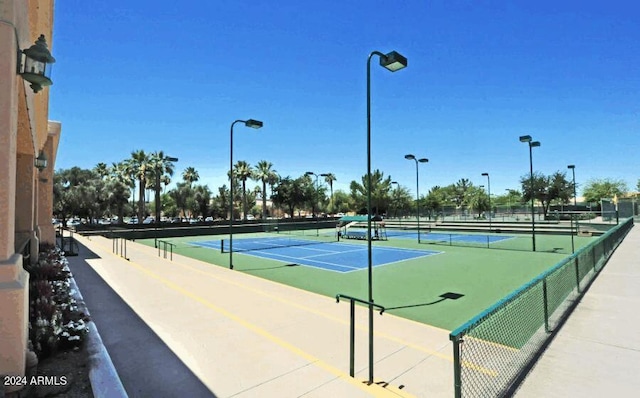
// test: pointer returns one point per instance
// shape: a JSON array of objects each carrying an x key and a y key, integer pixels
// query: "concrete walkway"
[
  {"x": 597, "y": 351},
  {"x": 188, "y": 328}
]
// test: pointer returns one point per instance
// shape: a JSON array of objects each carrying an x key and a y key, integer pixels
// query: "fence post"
[
  {"x": 457, "y": 374},
  {"x": 577, "y": 275},
  {"x": 546, "y": 305},
  {"x": 352, "y": 339}
]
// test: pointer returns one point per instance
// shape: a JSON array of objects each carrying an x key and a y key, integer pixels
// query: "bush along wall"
[{"x": 55, "y": 321}]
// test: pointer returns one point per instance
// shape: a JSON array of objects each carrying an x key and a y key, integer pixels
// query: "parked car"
[
  {"x": 149, "y": 220},
  {"x": 208, "y": 219}
]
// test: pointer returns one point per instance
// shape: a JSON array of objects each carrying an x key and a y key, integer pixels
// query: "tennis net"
[{"x": 275, "y": 242}]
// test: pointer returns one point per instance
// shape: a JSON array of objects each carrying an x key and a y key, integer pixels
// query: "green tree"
[
  {"x": 546, "y": 189},
  {"x": 380, "y": 193},
  {"x": 202, "y": 198},
  {"x": 342, "y": 202},
  {"x": 477, "y": 200},
  {"x": 264, "y": 173},
  {"x": 182, "y": 195},
  {"x": 290, "y": 193},
  {"x": 606, "y": 188},
  {"x": 190, "y": 175},
  {"x": 401, "y": 201}
]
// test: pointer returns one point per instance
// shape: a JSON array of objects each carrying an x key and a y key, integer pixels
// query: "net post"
[
  {"x": 577, "y": 275},
  {"x": 457, "y": 371},
  {"x": 545, "y": 303},
  {"x": 352, "y": 339}
]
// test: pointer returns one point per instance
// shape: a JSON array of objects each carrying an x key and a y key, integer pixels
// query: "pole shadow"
[{"x": 443, "y": 297}]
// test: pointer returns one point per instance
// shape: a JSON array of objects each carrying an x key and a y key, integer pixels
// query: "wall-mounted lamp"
[
  {"x": 34, "y": 68},
  {"x": 41, "y": 161}
]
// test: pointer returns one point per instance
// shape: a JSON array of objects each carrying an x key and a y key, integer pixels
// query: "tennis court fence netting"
[{"x": 492, "y": 351}]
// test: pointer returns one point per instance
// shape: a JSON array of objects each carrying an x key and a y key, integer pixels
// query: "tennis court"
[
  {"x": 331, "y": 256},
  {"x": 448, "y": 237}
]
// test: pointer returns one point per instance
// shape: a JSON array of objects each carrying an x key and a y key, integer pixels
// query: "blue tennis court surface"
[
  {"x": 446, "y": 237},
  {"x": 334, "y": 256}
]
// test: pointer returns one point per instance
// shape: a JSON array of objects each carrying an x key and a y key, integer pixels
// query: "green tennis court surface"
[{"x": 412, "y": 287}]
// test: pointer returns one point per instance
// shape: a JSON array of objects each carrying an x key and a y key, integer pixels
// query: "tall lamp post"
[
  {"x": 395, "y": 207},
  {"x": 532, "y": 144},
  {"x": 392, "y": 62},
  {"x": 489, "y": 189},
  {"x": 315, "y": 199},
  {"x": 158, "y": 206},
  {"x": 422, "y": 160},
  {"x": 508, "y": 201},
  {"x": 254, "y": 124}
]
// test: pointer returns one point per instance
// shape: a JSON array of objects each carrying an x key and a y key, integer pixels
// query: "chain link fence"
[{"x": 492, "y": 350}]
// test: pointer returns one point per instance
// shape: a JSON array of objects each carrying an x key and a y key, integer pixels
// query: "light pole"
[
  {"x": 532, "y": 144},
  {"x": 392, "y": 62},
  {"x": 395, "y": 207},
  {"x": 489, "y": 188},
  {"x": 329, "y": 175},
  {"x": 255, "y": 124},
  {"x": 508, "y": 201},
  {"x": 315, "y": 200},
  {"x": 422, "y": 160}
]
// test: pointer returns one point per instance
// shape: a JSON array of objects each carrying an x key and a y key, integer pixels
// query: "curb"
[{"x": 104, "y": 378}]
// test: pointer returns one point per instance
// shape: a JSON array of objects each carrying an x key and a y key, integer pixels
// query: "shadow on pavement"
[{"x": 146, "y": 366}]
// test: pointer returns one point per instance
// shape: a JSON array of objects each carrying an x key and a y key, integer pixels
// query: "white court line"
[
  {"x": 336, "y": 252},
  {"x": 267, "y": 254}
]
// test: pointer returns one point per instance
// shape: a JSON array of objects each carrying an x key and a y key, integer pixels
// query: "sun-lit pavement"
[
  {"x": 242, "y": 336},
  {"x": 597, "y": 351},
  {"x": 229, "y": 334}
]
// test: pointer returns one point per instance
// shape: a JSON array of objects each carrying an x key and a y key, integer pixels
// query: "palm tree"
[
  {"x": 264, "y": 173},
  {"x": 329, "y": 178},
  {"x": 141, "y": 166},
  {"x": 160, "y": 166},
  {"x": 101, "y": 170},
  {"x": 190, "y": 175},
  {"x": 243, "y": 172},
  {"x": 272, "y": 180},
  {"x": 121, "y": 182}
]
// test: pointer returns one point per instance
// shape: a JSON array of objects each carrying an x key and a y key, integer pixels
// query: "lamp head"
[
  {"x": 485, "y": 174},
  {"x": 423, "y": 160},
  {"x": 309, "y": 173},
  {"x": 393, "y": 61},
  {"x": 525, "y": 138},
  {"x": 170, "y": 159},
  {"x": 41, "y": 161},
  {"x": 325, "y": 174},
  {"x": 534, "y": 144},
  {"x": 571, "y": 166},
  {"x": 394, "y": 182},
  {"x": 254, "y": 124},
  {"x": 409, "y": 157},
  {"x": 35, "y": 70}
]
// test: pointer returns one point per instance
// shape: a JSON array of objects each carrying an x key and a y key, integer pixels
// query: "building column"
[{"x": 14, "y": 280}]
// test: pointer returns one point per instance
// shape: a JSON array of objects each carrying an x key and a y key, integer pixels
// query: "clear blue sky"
[{"x": 172, "y": 76}]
